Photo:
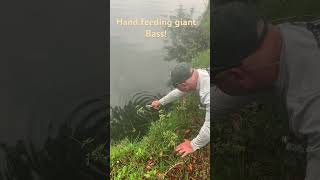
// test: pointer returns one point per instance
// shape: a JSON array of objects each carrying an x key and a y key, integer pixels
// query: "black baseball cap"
[{"x": 234, "y": 34}]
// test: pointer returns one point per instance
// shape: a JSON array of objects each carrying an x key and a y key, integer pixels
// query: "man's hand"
[
  {"x": 184, "y": 148},
  {"x": 155, "y": 104}
]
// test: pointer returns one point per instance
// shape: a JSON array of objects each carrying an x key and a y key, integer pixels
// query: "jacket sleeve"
[
  {"x": 222, "y": 105},
  {"x": 203, "y": 138},
  {"x": 171, "y": 96}
]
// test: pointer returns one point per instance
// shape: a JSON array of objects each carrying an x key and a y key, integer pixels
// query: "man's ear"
[{"x": 182, "y": 84}]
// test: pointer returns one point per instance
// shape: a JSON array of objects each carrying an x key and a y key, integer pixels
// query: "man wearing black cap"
[
  {"x": 252, "y": 57},
  {"x": 187, "y": 79}
]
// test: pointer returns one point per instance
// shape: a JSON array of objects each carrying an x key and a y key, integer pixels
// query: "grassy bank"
[{"x": 153, "y": 156}]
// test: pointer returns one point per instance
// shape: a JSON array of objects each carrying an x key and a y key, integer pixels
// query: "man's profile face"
[
  {"x": 250, "y": 77},
  {"x": 185, "y": 86},
  {"x": 256, "y": 72},
  {"x": 189, "y": 84},
  {"x": 245, "y": 78}
]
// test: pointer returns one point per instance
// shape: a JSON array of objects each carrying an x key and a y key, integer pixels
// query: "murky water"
[
  {"x": 137, "y": 61},
  {"x": 54, "y": 89}
]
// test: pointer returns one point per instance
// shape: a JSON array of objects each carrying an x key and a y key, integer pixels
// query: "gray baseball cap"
[{"x": 180, "y": 73}]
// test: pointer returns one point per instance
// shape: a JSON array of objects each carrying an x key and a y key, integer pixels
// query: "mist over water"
[{"x": 137, "y": 62}]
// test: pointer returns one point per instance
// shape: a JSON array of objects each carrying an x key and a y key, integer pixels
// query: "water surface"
[{"x": 136, "y": 61}]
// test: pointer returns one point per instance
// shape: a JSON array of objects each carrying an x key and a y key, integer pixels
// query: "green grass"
[
  {"x": 153, "y": 156},
  {"x": 248, "y": 146},
  {"x": 202, "y": 60}
]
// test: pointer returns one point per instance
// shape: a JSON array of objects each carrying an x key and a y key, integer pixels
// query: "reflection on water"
[
  {"x": 133, "y": 119},
  {"x": 61, "y": 154},
  {"x": 137, "y": 63}
]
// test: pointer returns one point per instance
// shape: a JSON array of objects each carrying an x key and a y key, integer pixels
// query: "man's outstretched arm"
[
  {"x": 223, "y": 104},
  {"x": 172, "y": 96}
]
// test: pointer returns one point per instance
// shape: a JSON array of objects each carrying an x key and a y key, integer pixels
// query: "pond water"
[
  {"x": 54, "y": 89},
  {"x": 137, "y": 62}
]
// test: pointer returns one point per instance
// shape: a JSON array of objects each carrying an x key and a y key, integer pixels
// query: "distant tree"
[{"x": 185, "y": 42}]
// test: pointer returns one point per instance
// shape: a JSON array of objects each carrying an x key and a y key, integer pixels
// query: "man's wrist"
[
  {"x": 161, "y": 102},
  {"x": 193, "y": 146}
]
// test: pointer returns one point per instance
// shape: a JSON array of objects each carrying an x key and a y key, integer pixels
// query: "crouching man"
[{"x": 186, "y": 79}]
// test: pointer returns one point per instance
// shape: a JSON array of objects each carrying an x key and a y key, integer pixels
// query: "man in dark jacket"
[{"x": 252, "y": 57}]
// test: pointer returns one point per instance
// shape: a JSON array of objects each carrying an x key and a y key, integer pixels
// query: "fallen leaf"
[
  {"x": 150, "y": 163},
  {"x": 160, "y": 175},
  {"x": 190, "y": 167}
]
